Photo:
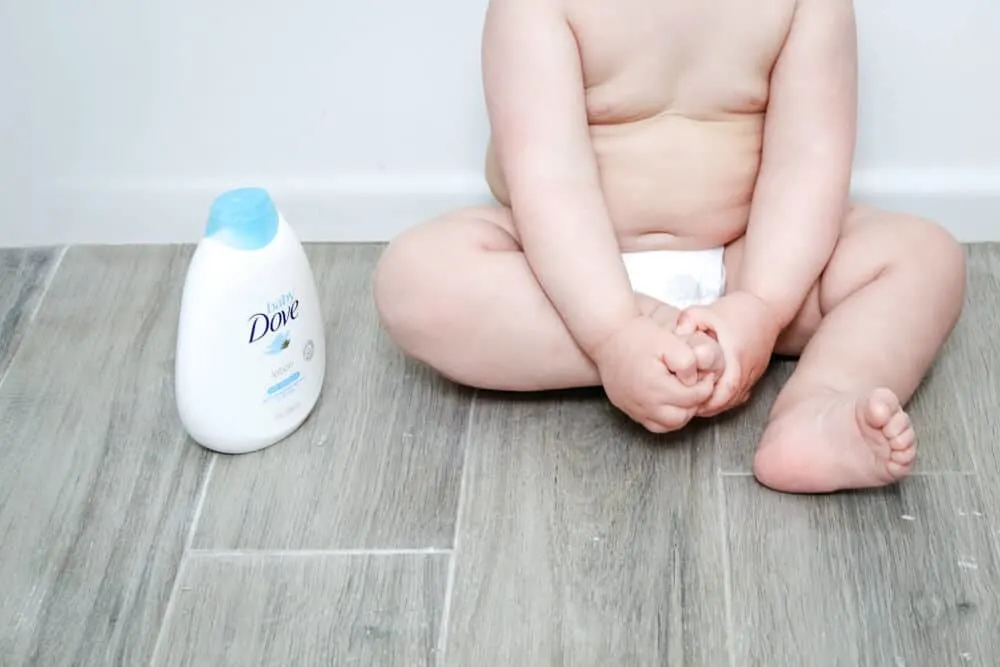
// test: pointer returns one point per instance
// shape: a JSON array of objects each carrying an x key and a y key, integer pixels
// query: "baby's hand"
[
  {"x": 652, "y": 375},
  {"x": 746, "y": 331},
  {"x": 709, "y": 359}
]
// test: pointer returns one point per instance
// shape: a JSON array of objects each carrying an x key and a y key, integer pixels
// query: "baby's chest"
[{"x": 707, "y": 56}]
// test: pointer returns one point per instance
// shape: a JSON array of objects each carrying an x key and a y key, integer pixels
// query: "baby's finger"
[
  {"x": 654, "y": 427},
  {"x": 723, "y": 398},
  {"x": 707, "y": 352},
  {"x": 668, "y": 418},
  {"x": 680, "y": 359},
  {"x": 694, "y": 319},
  {"x": 677, "y": 395}
]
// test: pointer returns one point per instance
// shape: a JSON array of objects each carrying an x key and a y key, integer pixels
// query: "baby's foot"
[{"x": 834, "y": 441}]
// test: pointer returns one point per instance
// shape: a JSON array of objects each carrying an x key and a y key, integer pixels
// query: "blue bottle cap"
[{"x": 243, "y": 219}]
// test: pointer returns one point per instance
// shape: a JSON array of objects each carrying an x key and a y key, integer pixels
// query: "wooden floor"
[{"x": 410, "y": 522}]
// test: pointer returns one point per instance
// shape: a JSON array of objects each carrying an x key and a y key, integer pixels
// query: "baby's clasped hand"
[
  {"x": 747, "y": 333},
  {"x": 652, "y": 375}
]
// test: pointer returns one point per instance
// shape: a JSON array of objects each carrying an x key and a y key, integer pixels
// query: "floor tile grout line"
[
  {"x": 449, "y": 590},
  {"x": 727, "y": 577},
  {"x": 202, "y": 495},
  {"x": 185, "y": 556},
  {"x": 46, "y": 285},
  {"x": 314, "y": 553}
]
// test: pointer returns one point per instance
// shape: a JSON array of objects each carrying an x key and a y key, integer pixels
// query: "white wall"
[{"x": 121, "y": 119}]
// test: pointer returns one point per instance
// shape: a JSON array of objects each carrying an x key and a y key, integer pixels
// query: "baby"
[{"x": 672, "y": 182}]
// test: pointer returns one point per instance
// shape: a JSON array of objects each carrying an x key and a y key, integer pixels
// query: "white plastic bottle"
[{"x": 251, "y": 356}]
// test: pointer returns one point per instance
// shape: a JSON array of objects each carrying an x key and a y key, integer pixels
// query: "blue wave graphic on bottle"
[{"x": 279, "y": 343}]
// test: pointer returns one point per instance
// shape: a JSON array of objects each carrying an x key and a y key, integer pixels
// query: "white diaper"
[{"x": 681, "y": 278}]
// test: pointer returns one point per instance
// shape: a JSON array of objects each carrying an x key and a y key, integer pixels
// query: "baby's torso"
[{"x": 676, "y": 94}]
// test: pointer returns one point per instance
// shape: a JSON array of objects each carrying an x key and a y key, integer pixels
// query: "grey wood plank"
[
  {"x": 586, "y": 541},
  {"x": 377, "y": 465},
  {"x": 306, "y": 610},
  {"x": 97, "y": 484},
  {"x": 902, "y": 576},
  {"x": 24, "y": 273},
  {"x": 975, "y": 371}
]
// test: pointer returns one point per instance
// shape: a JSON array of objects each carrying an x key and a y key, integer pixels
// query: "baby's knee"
[
  {"x": 403, "y": 284},
  {"x": 931, "y": 259},
  {"x": 415, "y": 287},
  {"x": 932, "y": 250}
]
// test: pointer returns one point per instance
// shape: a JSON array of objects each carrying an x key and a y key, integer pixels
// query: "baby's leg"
[
  {"x": 457, "y": 294},
  {"x": 883, "y": 308}
]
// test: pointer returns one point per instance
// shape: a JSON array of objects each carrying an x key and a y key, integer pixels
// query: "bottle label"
[
  {"x": 271, "y": 330},
  {"x": 271, "y": 323}
]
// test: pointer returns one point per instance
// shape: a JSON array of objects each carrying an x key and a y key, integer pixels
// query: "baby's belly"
[{"x": 674, "y": 183}]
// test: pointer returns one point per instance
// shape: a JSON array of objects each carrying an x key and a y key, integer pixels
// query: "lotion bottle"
[{"x": 251, "y": 355}]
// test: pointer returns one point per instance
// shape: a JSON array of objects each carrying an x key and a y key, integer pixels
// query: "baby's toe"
[
  {"x": 905, "y": 440},
  {"x": 897, "y": 424},
  {"x": 882, "y": 407},
  {"x": 903, "y": 457},
  {"x": 897, "y": 470}
]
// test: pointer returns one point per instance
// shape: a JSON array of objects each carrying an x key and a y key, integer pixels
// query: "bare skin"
[{"x": 640, "y": 125}]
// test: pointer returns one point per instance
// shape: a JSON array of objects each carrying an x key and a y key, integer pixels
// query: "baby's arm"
[
  {"x": 535, "y": 99},
  {"x": 809, "y": 141}
]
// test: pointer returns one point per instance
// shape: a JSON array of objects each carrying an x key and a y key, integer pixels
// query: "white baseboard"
[
  {"x": 376, "y": 208},
  {"x": 964, "y": 201}
]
